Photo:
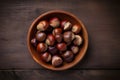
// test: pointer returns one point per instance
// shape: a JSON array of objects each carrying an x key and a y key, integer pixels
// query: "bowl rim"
[{"x": 63, "y": 12}]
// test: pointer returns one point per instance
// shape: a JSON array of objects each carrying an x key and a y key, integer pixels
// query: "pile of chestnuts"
[{"x": 57, "y": 41}]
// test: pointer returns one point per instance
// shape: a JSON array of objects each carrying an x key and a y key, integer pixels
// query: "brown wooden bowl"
[{"x": 63, "y": 15}]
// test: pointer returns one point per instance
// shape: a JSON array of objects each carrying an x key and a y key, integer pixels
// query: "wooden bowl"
[{"x": 62, "y": 15}]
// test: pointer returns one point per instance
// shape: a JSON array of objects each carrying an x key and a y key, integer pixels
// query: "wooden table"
[{"x": 101, "y": 18}]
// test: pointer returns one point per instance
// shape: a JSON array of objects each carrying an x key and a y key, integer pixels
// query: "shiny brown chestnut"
[
  {"x": 63, "y": 23},
  {"x": 78, "y": 40},
  {"x": 57, "y": 31},
  {"x": 49, "y": 29},
  {"x": 50, "y": 40},
  {"x": 68, "y": 56},
  {"x": 54, "y": 22},
  {"x": 34, "y": 42},
  {"x": 41, "y": 47},
  {"x": 61, "y": 46},
  {"x": 53, "y": 50},
  {"x": 43, "y": 25},
  {"x": 75, "y": 49},
  {"x": 68, "y": 36},
  {"x": 40, "y": 36},
  {"x": 66, "y": 25},
  {"x": 57, "y": 61},
  {"x": 46, "y": 57},
  {"x": 58, "y": 38},
  {"x": 76, "y": 28}
]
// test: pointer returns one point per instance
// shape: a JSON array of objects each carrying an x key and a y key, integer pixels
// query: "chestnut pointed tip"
[
  {"x": 76, "y": 28},
  {"x": 57, "y": 61},
  {"x": 54, "y": 22},
  {"x": 78, "y": 40},
  {"x": 42, "y": 26},
  {"x": 46, "y": 57}
]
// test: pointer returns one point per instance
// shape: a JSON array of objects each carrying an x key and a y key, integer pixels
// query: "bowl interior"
[{"x": 62, "y": 15}]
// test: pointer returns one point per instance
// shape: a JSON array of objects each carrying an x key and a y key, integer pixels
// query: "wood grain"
[
  {"x": 69, "y": 74},
  {"x": 101, "y": 18}
]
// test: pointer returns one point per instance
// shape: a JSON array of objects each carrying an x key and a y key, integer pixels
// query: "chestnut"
[
  {"x": 61, "y": 46},
  {"x": 50, "y": 40},
  {"x": 54, "y": 22},
  {"x": 66, "y": 25},
  {"x": 34, "y": 42},
  {"x": 57, "y": 31},
  {"x": 68, "y": 56},
  {"x": 49, "y": 29},
  {"x": 42, "y": 26},
  {"x": 40, "y": 36},
  {"x": 53, "y": 50},
  {"x": 63, "y": 23},
  {"x": 68, "y": 36},
  {"x": 75, "y": 49},
  {"x": 46, "y": 57},
  {"x": 41, "y": 47},
  {"x": 76, "y": 28},
  {"x": 78, "y": 40},
  {"x": 57, "y": 61},
  {"x": 58, "y": 38}
]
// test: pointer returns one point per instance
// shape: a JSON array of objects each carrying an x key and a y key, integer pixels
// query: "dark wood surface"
[{"x": 101, "y": 18}]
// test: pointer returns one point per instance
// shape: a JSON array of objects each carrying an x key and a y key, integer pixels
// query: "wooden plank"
[
  {"x": 101, "y": 20},
  {"x": 63, "y": 75}
]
